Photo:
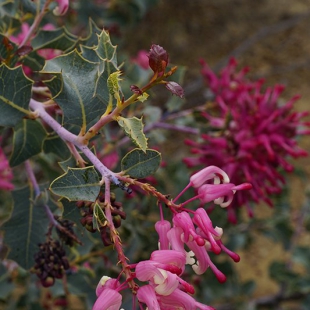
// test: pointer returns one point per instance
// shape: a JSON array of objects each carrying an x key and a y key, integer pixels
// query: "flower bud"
[
  {"x": 158, "y": 58},
  {"x": 175, "y": 89}
]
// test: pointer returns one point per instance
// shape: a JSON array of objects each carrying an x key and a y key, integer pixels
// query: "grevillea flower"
[
  {"x": 200, "y": 237},
  {"x": 108, "y": 297},
  {"x": 165, "y": 290},
  {"x": 252, "y": 135},
  {"x": 6, "y": 174}
]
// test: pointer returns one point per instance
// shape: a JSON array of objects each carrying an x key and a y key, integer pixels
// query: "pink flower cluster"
[
  {"x": 6, "y": 174},
  {"x": 251, "y": 134},
  {"x": 187, "y": 242}
]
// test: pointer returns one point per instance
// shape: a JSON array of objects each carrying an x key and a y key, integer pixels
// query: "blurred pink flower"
[
  {"x": 6, "y": 174},
  {"x": 252, "y": 135},
  {"x": 62, "y": 7},
  {"x": 142, "y": 59}
]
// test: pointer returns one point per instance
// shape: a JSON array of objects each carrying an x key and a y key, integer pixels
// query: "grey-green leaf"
[
  {"x": 26, "y": 228},
  {"x": 59, "y": 39},
  {"x": 139, "y": 164},
  {"x": 28, "y": 141},
  {"x": 77, "y": 184},
  {"x": 73, "y": 88},
  {"x": 15, "y": 94}
]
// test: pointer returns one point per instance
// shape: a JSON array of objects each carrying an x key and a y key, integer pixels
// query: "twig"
[
  {"x": 36, "y": 22},
  {"x": 37, "y": 191}
]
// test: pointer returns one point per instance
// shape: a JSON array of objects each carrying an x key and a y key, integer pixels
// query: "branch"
[
  {"x": 37, "y": 191},
  {"x": 67, "y": 136}
]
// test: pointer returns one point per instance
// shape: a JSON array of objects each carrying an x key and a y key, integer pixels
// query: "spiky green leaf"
[
  {"x": 28, "y": 141},
  {"x": 73, "y": 87},
  {"x": 26, "y": 227},
  {"x": 15, "y": 94},
  {"x": 139, "y": 164},
  {"x": 77, "y": 184}
]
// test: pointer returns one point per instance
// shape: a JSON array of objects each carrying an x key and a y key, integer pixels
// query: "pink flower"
[
  {"x": 218, "y": 193},
  {"x": 208, "y": 173},
  {"x": 147, "y": 295},
  {"x": 62, "y": 7},
  {"x": 6, "y": 174},
  {"x": 221, "y": 191},
  {"x": 108, "y": 297},
  {"x": 162, "y": 228},
  {"x": 142, "y": 59},
  {"x": 252, "y": 135}
]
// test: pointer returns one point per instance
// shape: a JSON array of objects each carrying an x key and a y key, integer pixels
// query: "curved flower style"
[
  {"x": 253, "y": 135},
  {"x": 6, "y": 174}
]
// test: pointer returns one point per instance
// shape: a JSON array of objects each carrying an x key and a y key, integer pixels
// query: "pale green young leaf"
[
  {"x": 77, "y": 184},
  {"x": 28, "y": 141},
  {"x": 26, "y": 227},
  {"x": 99, "y": 218},
  {"x": 15, "y": 94},
  {"x": 73, "y": 87},
  {"x": 139, "y": 164},
  {"x": 133, "y": 128}
]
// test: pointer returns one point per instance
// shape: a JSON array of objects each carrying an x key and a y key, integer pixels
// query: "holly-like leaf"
[
  {"x": 15, "y": 94},
  {"x": 107, "y": 54},
  {"x": 59, "y": 39},
  {"x": 54, "y": 144},
  {"x": 26, "y": 227},
  {"x": 77, "y": 184},
  {"x": 69, "y": 162},
  {"x": 28, "y": 141},
  {"x": 71, "y": 212},
  {"x": 34, "y": 61},
  {"x": 133, "y": 128},
  {"x": 73, "y": 87},
  {"x": 139, "y": 164},
  {"x": 105, "y": 50}
]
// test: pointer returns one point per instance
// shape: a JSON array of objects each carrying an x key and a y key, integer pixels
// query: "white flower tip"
[
  {"x": 219, "y": 230},
  {"x": 103, "y": 280}
]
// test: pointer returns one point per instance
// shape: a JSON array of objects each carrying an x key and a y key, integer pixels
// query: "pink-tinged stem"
[
  {"x": 36, "y": 22},
  {"x": 67, "y": 136},
  {"x": 37, "y": 191}
]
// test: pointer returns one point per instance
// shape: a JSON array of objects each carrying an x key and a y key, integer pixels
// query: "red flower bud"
[
  {"x": 158, "y": 58},
  {"x": 175, "y": 88}
]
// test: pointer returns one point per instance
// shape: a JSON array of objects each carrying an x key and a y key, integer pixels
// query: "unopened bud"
[{"x": 158, "y": 58}]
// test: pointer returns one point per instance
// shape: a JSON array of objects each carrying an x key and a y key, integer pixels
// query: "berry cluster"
[
  {"x": 50, "y": 262},
  {"x": 87, "y": 221}
]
